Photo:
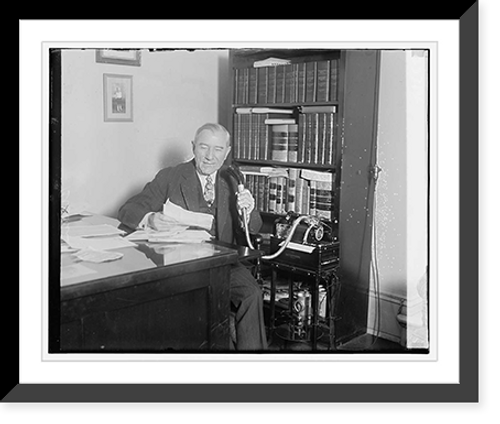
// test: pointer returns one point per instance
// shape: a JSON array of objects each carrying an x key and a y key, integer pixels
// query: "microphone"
[
  {"x": 238, "y": 176},
  {"x": 240, "y": 180}
]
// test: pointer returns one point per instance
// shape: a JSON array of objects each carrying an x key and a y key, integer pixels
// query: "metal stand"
[{"x": 311, "y": 322}]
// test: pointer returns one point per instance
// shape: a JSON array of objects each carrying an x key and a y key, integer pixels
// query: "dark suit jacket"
[{"x": 182, "y": 186}]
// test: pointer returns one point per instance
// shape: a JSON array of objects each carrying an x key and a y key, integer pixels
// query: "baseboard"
[{"x": 389, "y": 328}]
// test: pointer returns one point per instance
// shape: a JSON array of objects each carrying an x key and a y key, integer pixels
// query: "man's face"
[{"x": 210, "y": 152}]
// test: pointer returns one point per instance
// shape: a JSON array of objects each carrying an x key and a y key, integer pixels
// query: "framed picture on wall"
[
  {"x": 119, "y": 56},
  {"x": 118, "y": 100}
]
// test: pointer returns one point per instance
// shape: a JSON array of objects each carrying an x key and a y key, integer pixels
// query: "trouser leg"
[{"x": 246, "y": 300}]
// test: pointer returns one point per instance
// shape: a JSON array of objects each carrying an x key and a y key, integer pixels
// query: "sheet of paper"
[
  {"x": 98, "y": 243},
  {"x": 97, "y": 256},
  {"x": 145, "y": 235},
  {"x": 188, "y": 236},
  {"x": 183, "y": 216},
  {"x": 90, "y": 230}
]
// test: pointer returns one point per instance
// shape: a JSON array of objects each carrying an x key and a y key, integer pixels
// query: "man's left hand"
[{"x": 245, "y": 200}]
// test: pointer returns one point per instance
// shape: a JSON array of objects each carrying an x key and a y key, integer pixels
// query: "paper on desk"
[
  {"x": 97, "y": 256},
  {"x": 91, "y": 230},
  {"x": 187, "y": 236},
  {"x": 189, "y": 218},
  {"x": 97, "y": 243},
  {"x": 144, "y": 235}
]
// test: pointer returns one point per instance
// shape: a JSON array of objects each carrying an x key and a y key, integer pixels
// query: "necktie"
[{"x": 208, "y": 193}]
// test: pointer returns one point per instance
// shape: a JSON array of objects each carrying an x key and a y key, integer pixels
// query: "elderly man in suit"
[{"x": 199, "y": 186}]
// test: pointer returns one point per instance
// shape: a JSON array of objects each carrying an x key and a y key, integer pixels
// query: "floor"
[
  {"x": 282, "y": 342},
  {"x": 366, "y": 343}
]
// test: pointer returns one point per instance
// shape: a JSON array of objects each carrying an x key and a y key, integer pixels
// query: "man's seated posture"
[{"x": 198, "y": 186}]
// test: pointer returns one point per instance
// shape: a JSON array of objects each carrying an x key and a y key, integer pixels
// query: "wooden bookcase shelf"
[
  {"x": 312, "y": 141},
  {"x": 334, "y": 146}
]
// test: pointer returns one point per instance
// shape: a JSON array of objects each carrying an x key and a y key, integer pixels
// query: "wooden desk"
[{"x": 156, "y": 298}]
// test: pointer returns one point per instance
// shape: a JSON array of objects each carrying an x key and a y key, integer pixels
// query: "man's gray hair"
[{"x": 215, "y": 129}]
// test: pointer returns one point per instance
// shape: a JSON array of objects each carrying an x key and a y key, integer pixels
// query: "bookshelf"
[
  {"x": 286, "y": 115},
  {"x": 331, "y": 96}
]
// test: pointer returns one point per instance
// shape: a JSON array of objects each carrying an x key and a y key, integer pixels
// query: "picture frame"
[
  {"x": 128, "y": 57},
  {"x": 118, "y": 98}
]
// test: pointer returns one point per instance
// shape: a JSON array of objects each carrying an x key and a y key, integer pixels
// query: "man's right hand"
[{"x": 160, "y": 222}]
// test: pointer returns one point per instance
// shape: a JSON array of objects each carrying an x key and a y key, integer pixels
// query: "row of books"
[
  {"x": 311, "y": 138},
  {"x": 298, "y": 190},
  {"x": 314, "y": 81}
]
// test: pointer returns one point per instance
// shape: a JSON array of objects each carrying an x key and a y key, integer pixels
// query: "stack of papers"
[
  {"x": 97, "y": 256},
  {"x": 187, "y": 235},
  {"x": 93, "y": 242},
  {"x": 91, "y": 230},
  {"x": 184, "y": 217},
  {"x": 271, "y": 61},
  {"x": 263, "y": 110}
]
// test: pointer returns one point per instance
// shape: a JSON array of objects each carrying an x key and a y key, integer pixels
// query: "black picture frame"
[
  {"x": 466, "y": 391},
  {"x": 130, "y": 57}
]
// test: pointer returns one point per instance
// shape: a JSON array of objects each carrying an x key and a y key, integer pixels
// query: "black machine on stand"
[{"x": 307, "y": 246}]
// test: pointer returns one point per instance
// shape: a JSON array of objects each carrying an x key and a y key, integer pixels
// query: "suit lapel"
[
  {"x": 192, "y": 193},
  {"x": 190, "y": 188},
  {"x": 222, "y": 195}
]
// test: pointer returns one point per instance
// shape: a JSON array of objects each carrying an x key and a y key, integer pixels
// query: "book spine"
[
  {"x": 299, "y": 193},
  {"x": 245, "y": 132},
  {"x": 279, "y": 195},
  {"x": 293, "y": 142},
  {"x": 284, "y": 196},
  {"x": 236, "y": 86},
  {"x": 289, "y": 83},
  {"x": 236, "y": 135},
  {"x": 279, "y": 143},
  {"x": 254, "y": 186},
  {"x": 261, "y": 188},
  {"x": 323, "y": 84},
  {"x": 254, "y": 137},
  {"x": 301, "y": 156},
  {"x": 301, "y": 82},
  {"x": 262, "y": 85},
  {"x": 249, "y": 182},
  {"x": 315, "y": 138},
  {"x": 271, "y": 85},
  {"x": 309, "y": 135},
  {"x": 292, "y": 188},
  {"x": 280, "y": 84},
  {"x": 334, "y": 74},
  {"x": 322, "y": 143},
  {"x": 306, "y": 198},
  {"x": 252, "y": 86},
  {"x": 266, "y": 135},
  {"x": 312, "y": 197},
  {"x": 246, "y": 83},
  {"x": 311, "y": 80},
  {"x": 324, "y": 199},
  {"x": 273, "y": 188},
  {"x": 265, "y": 206},
  {"x": 329, "y": 137}
]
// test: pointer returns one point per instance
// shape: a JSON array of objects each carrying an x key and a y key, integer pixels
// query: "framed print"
[
  {"x": 118, "y": 100},
  {"x": 119, "y": 56}
]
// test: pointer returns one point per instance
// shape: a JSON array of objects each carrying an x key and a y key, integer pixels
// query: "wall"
[
  {"x": 174, "y": 92},
  {"x": 400, "y": 229}
]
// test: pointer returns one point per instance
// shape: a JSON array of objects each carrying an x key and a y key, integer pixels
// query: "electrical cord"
[{"x": 285, "y": 243}]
